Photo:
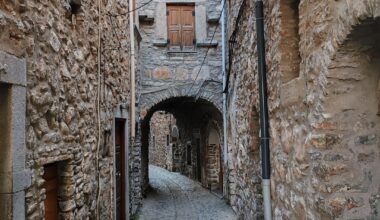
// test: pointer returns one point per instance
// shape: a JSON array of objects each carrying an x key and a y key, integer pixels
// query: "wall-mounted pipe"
[
  {"x": 264, "y": 117},
  {"x": 133, "y": 87},
  {"x": 225, "y": 147}
]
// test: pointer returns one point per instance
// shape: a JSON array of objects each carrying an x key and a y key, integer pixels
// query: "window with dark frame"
[
  {"x": 167, "y": 140},
  {"x": 181, "y": 27}
]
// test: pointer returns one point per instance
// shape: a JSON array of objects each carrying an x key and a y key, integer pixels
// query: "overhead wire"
[
  {"x": 208, "y": 49},
  {"x": 232, "y": 41},
  {"x": 114, "y": 32},
  {"x": 125, "y": 13}
]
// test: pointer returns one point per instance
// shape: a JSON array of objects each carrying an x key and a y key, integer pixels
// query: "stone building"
[
  {"x": 64, "y": 100},
  {"x": 323, "y": 81},
  {"x": 179, "y": 69}
]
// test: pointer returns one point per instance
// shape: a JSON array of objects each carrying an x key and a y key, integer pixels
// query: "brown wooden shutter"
[
  {"x": 187, "y": 28},
  {"x": 174, "y": 27}
]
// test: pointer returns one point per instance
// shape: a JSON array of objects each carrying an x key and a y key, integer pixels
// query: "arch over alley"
[{"x": 195, "y": 140}]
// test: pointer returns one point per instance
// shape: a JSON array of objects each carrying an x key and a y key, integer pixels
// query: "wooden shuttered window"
[{"x": 181, "y": 26}]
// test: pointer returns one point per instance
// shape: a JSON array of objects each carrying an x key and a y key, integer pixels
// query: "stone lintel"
[{"x": 12, "y": 69}]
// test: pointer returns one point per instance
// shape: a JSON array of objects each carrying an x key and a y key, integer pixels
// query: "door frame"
[
  {"x": 121, "y": 113},
  {"x": 15, "y": 178}
]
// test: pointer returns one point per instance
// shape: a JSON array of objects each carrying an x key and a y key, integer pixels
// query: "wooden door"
[
  {"x": 174, "y": 27},
  {"x": 199, "y": 168},
  {"x": 220, "y": 169},
  {"x": 181, "y": 26},
  {"x": 187, "y": 27},
  {"x": 51, "y": 186},
  {"x": 120, "y": 166}
]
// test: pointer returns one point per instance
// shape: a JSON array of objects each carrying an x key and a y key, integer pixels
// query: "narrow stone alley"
[
  {"x": 189, "y": 109},
  {"x": 172, "y": 196}
]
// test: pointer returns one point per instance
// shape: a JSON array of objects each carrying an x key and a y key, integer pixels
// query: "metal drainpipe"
[
  {"x": 264, "y": 117},
  {"x": 133, "y": 89},
  {"x": 225, "y": 147}
]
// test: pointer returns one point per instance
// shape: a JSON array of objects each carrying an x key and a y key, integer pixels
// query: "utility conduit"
[
  {"x": 264, "y": 117},
  {"x": 133, "y": 92}
]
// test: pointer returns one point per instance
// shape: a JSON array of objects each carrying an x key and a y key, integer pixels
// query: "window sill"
[
  {"x": 181, "y": 52},
  {"x": 207, "y": 43}
]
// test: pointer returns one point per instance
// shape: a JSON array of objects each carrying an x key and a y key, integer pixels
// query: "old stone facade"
[
  {"x": 322, "y": 67},
  {"x": 64, "y": 71},
  {"x": 185, "y": 81}
]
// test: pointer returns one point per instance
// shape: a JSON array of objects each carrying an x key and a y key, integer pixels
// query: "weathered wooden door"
[
  {"x": 120, "y": 165},
  {"x": 220, "y": 169},
  {"x": 187, "y": 28},
  {"x": 181, "y": 26},
  {"x": 51, "y": 186},
  {"x": 199, "y": 167},
  {"x": 174, "y": 27}
]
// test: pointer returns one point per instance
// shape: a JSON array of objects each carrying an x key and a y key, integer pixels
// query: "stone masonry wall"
[
  {"x": 60, "y": 44},
  {"x": 159, "y": 151},
  {"x": 323, "y": 121}
]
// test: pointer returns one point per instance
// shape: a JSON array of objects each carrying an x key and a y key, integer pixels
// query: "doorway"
[
  {"x": 120, "y": 168},
  {"x": 51, "y": 186},
  {"x": 199, "y": 168}
]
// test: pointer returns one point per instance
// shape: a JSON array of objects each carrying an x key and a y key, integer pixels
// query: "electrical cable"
[
  {"x": 204, "y": 58},
  {"x": 98, "y": 109},
  {"x": 114, "y": 32},
  {"x": 232, "y": 41},
  {"x": 141, "y": 6}
]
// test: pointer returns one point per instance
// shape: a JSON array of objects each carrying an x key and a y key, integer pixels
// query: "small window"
[
  {"x": 188, "y": 154},
  {"x": 75, "y": 6},
  {"x": 181, "y": 26},
  {"x": 167, "y": 140}
]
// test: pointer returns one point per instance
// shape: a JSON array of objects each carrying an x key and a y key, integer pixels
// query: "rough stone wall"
[
  {"x": 213, "y": 160},
  {"x": 159, "y": 150},
  {"x": 322, "y": 129},
  {"x": 60, "y": 48},
  {"x": 243, "y": 155}
]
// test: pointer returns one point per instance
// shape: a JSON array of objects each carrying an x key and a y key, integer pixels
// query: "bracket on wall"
[
  {"x": 160, "y": 43},
  {"x": 207, "y": 43},
  {"x": 146, "y": 19},
  {"x": 213, "y": 20}
]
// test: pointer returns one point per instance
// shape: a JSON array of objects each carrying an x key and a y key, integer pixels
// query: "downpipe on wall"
[
  {"x": 133, "y": 92},
  {"x": 264, "y": 117},
  {"x": 225, "y": 147}
]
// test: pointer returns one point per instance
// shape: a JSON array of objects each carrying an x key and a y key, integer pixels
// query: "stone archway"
[
  {"x": 191, "y": 116},
  {"x": 351, "y": 127}
]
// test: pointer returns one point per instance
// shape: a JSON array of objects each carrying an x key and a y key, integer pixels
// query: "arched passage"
[
  {"x": 350, "y": 155},
  {"x": 193, "y": 120}
]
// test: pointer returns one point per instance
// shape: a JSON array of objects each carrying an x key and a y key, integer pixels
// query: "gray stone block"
[
  {"x": 21, "y": 180},
  {"x": 12, "y": 69}
]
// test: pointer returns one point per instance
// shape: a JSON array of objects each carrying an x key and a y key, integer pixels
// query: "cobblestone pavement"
[{"x": 173, "y": 196}]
